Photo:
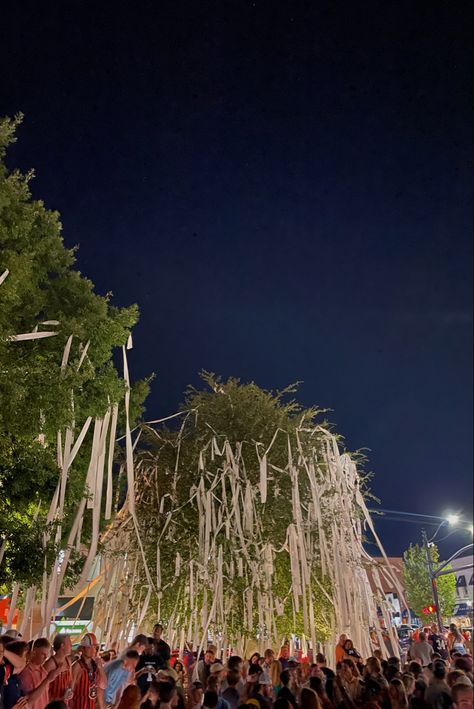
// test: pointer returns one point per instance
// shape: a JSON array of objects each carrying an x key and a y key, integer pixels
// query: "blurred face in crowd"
[
  {"x": 209, "y": 657},
  {"x": 342, "y": 640},
  {"x": 157, "y": 632},
  {"x": 464, "y": 698},
  {"x": 89, "y": 652},
  {"x": 39, "y": 653}
]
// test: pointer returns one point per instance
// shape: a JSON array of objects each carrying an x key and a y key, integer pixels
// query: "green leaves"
[
  {"x": 418, "y": 584},
  {"x": 43, "y": 291}
]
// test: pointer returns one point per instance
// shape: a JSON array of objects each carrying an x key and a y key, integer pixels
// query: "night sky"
[{"x": 285, "y": 190}]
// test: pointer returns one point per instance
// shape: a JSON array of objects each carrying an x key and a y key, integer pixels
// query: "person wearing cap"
[{"x": 87, "y": 675}]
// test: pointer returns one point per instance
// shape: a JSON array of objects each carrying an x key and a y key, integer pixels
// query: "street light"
[{"x": 452, "y": 519}]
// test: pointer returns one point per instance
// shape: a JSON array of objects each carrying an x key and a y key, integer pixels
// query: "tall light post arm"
[{"x": 439, "y": 571}]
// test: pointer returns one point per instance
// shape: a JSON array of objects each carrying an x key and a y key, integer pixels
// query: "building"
[{"x": 464, "y": 588}]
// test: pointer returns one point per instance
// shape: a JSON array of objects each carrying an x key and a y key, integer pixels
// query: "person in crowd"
[
  {"x": 210, "y": 700},
  {"x": 168, "y": 695},
  {"x": 259, "y": 691},
  {"x": 284, "y": 656},
  {"x": 131, "y": 698},
  {"x": 456, "y": 642},
  {"x": 397, "y": 694},
  {"x": 455, "y": 676},
  {"x": 161, "y": 648},
  {"x": 14, "y": 657},
  {"x": 196, "y": 693},
  {"x": 329, "y": 674},
  {"x": 437, "y": 642},
  {"x": 317, "y": 685},
  {"x": 140, "y": 644},
  {"x": 88, "y": 676},
  {"x": 60, "y": 689},
  {"x": 204, "y": 665},
  {"x": 408, "y": 680},
  {"x": 309, "y": 699},
  {"x": 348, "y": 682},
  {"x": 35, "y": 678},
  {"x": 235, "y": 664},
  {"x": 119, "y": 674},
  {"x": 151, "y": 700},
  {"x": 461, "y": 695},
  {"x": 231, "y": 694},
  {"x": 437, "y": 686},
  {"x": 422, "y": 651},
  {"x": 178, "y": 667},
  {"x": 284, "y": 692},
  {"x": 340, "y": 649},
  {"x": 350, "y": 651},
  {"x": 373, "y": 670},
  {"x": 273, "y": 668}
]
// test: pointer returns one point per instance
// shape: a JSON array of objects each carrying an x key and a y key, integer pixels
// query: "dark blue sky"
[{"x": 285, "y": 190}]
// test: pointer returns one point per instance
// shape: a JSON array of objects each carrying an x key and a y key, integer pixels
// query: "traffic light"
[{"x": 429, "y": 610}]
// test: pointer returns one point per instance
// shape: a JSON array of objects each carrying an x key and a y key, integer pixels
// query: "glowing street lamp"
[{"x": 452, "y": 519}]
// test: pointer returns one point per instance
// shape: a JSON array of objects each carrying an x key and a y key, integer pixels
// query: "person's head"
[
  {"x": 269, "y": 655},
  {"x": 234, "y": 663},
  {"x": 408, "y": 682},
  {"x": 218, "y": 671},
  {"x": 89, "y": 646},
  {"x": 317, "y": 685},
  {"x": 342, "y": 640},
  {"x": 196, "y": 691},
  {"x": 254, "y": 659},
  {"x": 40, "y": 651},
  {"x": 2, "y": 649},
  {"x": 348, "y": 645},
  {"x": 209, "y": 656},
  {"x": 210, "y": 699},
  {"x": 462, "y": 696},
  {"x": 415, "y": 668},
  {"x": 439, "y": 670},
  {"x": 139, "y": 643},
  {"x": 285, "y": 678},
  {"x": 167, "y": 693},
  {"x": 233, "y": 678},
  {"x": 284, "y": 652},
  {"x": 130, "y": 698},
  {"x": 157, "y": 631},
  {"x": 422, "y": 637},
  {"x": 373, "y": 666},
  {"x": 18, "y": 647},
  {"x": 420, "y": 688},
  {"x": 397, "y": 693},
  {"x": 154, "y": 693},
  {"x": 130, "y": 660},
  {"x": 434, "y": 627},
  {"x": 321, "y": 659},
  {"x": 454, "y": 676},
  {"x": 463, "y": 662},
  {"x": 453, "y": 627},
  {"x": 309, "y": 699},
  {"x": 349, "y": 669},
  {"x": 62, "y": 643},
  {"x": 178, "y": 666},
  {"x": 378, "y": 654}
]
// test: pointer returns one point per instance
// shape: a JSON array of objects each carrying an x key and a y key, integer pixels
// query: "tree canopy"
[
  {"x": 42, "y": 292},
  {"x": 418, "y": 584}
]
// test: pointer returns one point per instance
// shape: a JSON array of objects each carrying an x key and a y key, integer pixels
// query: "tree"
[
  {"x": 418, "y": 583},
  {"x": 42, "y": 390},
  {"x": 248, "y": 524}
]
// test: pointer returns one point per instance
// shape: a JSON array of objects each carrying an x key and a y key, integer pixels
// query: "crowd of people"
[{"x": 434, "y": 675}]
